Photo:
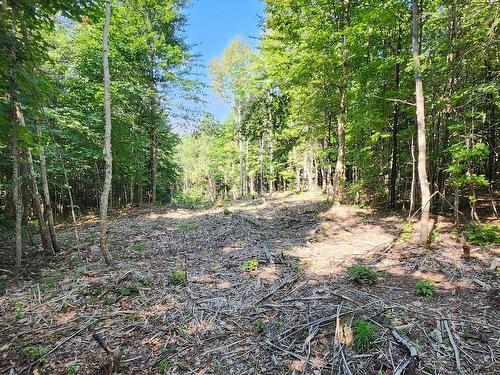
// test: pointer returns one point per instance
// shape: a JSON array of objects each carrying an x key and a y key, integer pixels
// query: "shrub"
[
  {"x": 250, "y": 265},
  {"x": 407, "y": 232},
  {"x": 364, "y": 332},
  {"x": 363, "y": 274},
  {"x": 425, "y": 288},
  {"x": 177, "y": 277},
  {"x": 483, "y": 235}
]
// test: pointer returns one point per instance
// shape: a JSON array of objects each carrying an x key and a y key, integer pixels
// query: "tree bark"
[
  {"x": 422, "y": 146},
  {"x": 107, "y": 140},
  {"x": 46, "y": 192}
]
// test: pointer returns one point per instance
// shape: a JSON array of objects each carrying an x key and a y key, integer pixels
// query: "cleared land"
[{"x": 259, "y": 287}]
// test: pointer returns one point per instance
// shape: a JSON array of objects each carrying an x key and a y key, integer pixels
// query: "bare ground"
[{"x": 292, "y": 315}]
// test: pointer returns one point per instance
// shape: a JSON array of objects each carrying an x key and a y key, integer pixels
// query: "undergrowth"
[
  {"x": 483, "y": 235},
  {"x": 425, "y": 288},
  {"x": 363, "y": 274}
]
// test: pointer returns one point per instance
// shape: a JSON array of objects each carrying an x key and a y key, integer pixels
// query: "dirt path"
[{"x": 280, "y": 318}]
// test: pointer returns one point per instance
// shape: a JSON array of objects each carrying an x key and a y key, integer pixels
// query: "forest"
[{"x": 341, "y": 217}]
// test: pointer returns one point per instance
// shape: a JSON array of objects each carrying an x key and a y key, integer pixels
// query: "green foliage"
[
  {"x": 186, "y": 225},
  {"x": 163, "y": 366},
  {"x": 35, "y": 352},
  {"x": 80, "y": 270},
  {"x": 363, "y": 274},
  {"x": 226, "y": 211},
  {"x": 425, "y": 288},
  {"x": 407, "y": 232},
  {"x": 19, "y": 312},
  {"x": 250, "y": 265},
  {"x": 145, "y": 281},
  {"x": 364, "y": 333},
  {"x": 483, "y": 235},
  {"x": 259, "y": 326},
  {"x": 178, "y": 277},
  {"x": 72, "y": 368},
  {"x": 140, "y": 247},
  {"x": 128, "y": 289},
  {"x": 50, "y": 280}
]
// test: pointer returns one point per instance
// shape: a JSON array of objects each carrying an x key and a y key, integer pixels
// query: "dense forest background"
[{"x": 326, "y": 101}]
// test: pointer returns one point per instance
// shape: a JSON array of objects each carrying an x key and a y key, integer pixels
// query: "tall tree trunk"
[
  {"x": 395, "y": 123},
  {"x": 422, "y": 146},
  {"x": 271, "y": 162},
  {"x": 340, "y": 164},
  {"x": 37, "y": 203},
  {"x": 16, "y": 182},
  {"x": 240, "y": 145},
  {"x": 46, "y": 192},
  {"x": 413, "y": 182},
  {"x": 261, "y": 161},
  {"x": 107, "y": 140},
  {"x": 154, "y": 168}
]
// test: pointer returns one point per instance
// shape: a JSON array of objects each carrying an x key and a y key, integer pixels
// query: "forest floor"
[{"x": 293, "y": 312}]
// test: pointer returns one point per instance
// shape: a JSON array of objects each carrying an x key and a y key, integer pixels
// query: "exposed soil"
[{"x": 293, "y": 314}]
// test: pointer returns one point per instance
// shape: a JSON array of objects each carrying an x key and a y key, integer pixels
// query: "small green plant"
[
  {"x": 163, "y": 366},
  {"x": 364, "y": 333},
  {"x": 177, "y": 277},
  {"x": 425, "y": 288},
  {"x": 363, "y": 274},
  {"x": 226, "y": 211},
  {"x": 297, "y": 266},
  {"x": 483, "y": 235},
  {"x": 19, "y": 312},
  {"x": 145, "y": 281},
  {"x": 80, "y": 270},
  {"x": 72, "y": 368},
  {"x": 140, "y": 247},
  {"x": 250, "y": 265},
  {"x": 49, "y": 280},
  {"x": 35, "y": 352},
  {"x": 259, "y": 326},
  {"x": 186, "y": 225},
  {"x": 434, "y": 234},
  {"x": 407, "y": 232},
  {"x": 128, "y": 289}
]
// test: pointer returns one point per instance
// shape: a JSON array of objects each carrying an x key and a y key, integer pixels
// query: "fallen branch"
[
  {"x": 412, "y": 360},
  {"x": 454, "y": 346}
]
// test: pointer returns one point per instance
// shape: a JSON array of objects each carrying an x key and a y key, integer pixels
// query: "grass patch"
[
  {"x": 425, "y": 288},
  {"x": 129, "y": 289},
  {"x": 483, "y": 235},
  {"x": 177, "y": 277},
  {"x": 186, "y": 225},
  {"x": 19, "y": 312},
  {"x": 364, "y": 333},
  {"x": 80, "y": 270},
  {"x": 49, "y": 280},
  {"x": 363, "y": 274},
  {"x": 140, "y": 247},
  {"x": 250, "y": 265}
]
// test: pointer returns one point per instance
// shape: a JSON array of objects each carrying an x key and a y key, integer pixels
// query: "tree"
[
  {"x": 231, "y": 76},
  {"x": 422, "y": 143},
  {"x": 107, "y": 139}
]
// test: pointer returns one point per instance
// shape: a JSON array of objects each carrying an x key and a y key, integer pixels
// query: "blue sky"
[{"x": 213, "y": 24}]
